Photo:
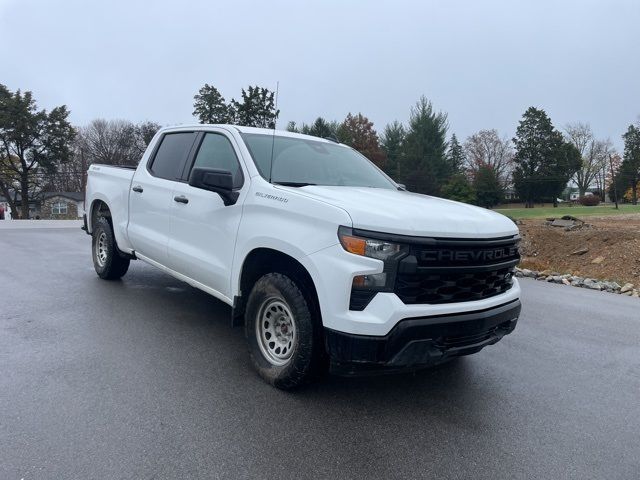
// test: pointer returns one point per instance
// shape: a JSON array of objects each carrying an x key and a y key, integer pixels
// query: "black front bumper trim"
[{"x": 422, "y": 341}]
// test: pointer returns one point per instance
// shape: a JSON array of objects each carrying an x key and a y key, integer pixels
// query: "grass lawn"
[{"x": 576, "y": 211}]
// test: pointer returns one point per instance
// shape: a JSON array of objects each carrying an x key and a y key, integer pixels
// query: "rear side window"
[
  {"x": 171, "y": 155},
  {"x": 216, "y": 151}
]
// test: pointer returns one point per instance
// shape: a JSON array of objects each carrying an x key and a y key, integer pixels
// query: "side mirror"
[
  {"x": 401, "y": 186},
  {"x": 215, "y": 180}
]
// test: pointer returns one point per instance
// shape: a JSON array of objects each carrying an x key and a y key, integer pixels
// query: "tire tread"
[
  {"x": 308, "y": 358},
  {"x": 116, "y": 265}
]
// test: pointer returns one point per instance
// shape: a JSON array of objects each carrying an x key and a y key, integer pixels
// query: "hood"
[{"x": 405, "y": 213}]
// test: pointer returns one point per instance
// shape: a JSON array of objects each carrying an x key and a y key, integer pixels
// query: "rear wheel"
[
  {"x": 283, "y": 330},
  {"x": 107, "y": 260}
]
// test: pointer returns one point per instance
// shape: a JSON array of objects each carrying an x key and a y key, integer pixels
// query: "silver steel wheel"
[
  {"x": 101, "y": 249},
  {"x": 276, "y": 331}
]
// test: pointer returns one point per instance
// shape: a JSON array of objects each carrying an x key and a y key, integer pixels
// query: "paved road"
[{"x": 144, "y": 378}]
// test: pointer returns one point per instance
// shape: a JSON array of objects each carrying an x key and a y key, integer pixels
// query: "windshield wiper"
[{"x": 293, "y": 184}]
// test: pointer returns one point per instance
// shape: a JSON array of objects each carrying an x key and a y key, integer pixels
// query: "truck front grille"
[
  {"x": 456, "y": 270},
  {"x": 452, "y": 287}
]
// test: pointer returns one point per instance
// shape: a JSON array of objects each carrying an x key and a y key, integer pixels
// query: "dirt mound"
[{"x": 604, "y": 248}]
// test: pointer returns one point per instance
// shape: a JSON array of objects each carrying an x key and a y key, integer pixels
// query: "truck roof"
[{"x": 242, "y": 129}]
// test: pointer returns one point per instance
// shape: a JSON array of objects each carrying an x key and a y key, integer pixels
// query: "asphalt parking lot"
[{"x": 145, "y": 378}]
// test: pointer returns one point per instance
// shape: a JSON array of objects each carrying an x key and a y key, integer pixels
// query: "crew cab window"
[
  {"x": 171, "y": 155},
  {"x": 217, "y": 152}
]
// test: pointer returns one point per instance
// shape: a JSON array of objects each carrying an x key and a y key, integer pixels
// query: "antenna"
[{"x": 273, "y": 137}]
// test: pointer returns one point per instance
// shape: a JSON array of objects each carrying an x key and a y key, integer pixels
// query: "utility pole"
[{"x": 613, "y": 179}]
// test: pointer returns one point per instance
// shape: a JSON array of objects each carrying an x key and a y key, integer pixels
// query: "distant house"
[
  {"x": 510, "y": 194},
  {"x": 62, "y": 205},
  {"x": 53, "y": 205},
  {"x": 576, "y": 195}
]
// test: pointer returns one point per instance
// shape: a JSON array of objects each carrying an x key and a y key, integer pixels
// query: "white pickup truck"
[{"x": 326, "y": 261}]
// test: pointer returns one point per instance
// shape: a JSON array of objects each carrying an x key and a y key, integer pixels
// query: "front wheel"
[
  {"x": 283, "y": 332},
  {"x": 107, "y": 261}
]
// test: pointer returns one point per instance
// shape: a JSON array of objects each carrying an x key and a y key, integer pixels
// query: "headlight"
[
  {"x": 367, "y": 247},
  {"x": 365, "y": 287}
]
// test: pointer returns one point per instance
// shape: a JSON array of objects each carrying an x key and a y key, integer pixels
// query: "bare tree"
[
  {"x": 143, "y": 134},
  {"x": 603, "y": 175},
  {"x": 594, "y": 154},
  {"x": 111, "y": 142},
  {"x": 487, "y": 149},
  {"x": 611, "y": 178},
  {"x": 115, "y": 142}
]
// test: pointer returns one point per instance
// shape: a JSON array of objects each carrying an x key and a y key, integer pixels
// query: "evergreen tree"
[
  {"x": 543, "y": 161},
  {"x": 209, "y": 106},
  {"x": 392, "y": 142},
  {"x": 319, "y": 128},
  {"x": 32, "y": 142},
  {"x": 630, "y": 168},
  {"x": 455, "y": 155},
  {"x": 257, "y": 108},
  {"x": 424, "y": 167},
  {"x": 488, "y": 189}
]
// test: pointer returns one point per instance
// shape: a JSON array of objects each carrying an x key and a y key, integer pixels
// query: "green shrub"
[{"x": 458, "y": 188}]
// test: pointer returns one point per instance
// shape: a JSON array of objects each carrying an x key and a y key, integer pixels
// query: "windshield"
[{"x": 301, "y": 162}]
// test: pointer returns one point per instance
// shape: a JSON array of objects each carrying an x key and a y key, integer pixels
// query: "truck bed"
[
  {"x": 129, "y": 167},
  {"x": 111, "y": 184}
]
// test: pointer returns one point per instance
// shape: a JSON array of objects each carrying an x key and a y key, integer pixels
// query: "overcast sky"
[{"x": 482, "y": 62}]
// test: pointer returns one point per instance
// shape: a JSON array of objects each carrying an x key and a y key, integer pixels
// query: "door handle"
[
  {"x": 137, "y": 189},
  {"x": 181, "y": 199}
]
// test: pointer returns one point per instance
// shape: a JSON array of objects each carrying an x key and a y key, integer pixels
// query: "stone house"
[
  {"x": 62, "y": 205},
  {"x": 51, "y": 205}
]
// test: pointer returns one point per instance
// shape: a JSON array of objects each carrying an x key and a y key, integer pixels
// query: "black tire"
[
  {"x": 307, "y": 354},
  {"x": 113, "y": 266}
]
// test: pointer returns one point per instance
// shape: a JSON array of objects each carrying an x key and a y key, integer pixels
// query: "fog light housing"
[{"x": 376, "y": 280}]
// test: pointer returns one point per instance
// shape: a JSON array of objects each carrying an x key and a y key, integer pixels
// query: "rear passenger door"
[
  {"x": 151, "y": 195},
  {"x": 203, "y": 229}
]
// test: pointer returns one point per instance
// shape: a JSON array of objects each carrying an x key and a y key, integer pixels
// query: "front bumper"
[
  {"x": 335, "y": 269},
  {"x": 421, "y": 341}
]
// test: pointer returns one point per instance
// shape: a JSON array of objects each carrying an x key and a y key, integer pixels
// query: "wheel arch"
[
  {"x": 263, "y": 260},
  {"x": 99, "y": 208}
]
